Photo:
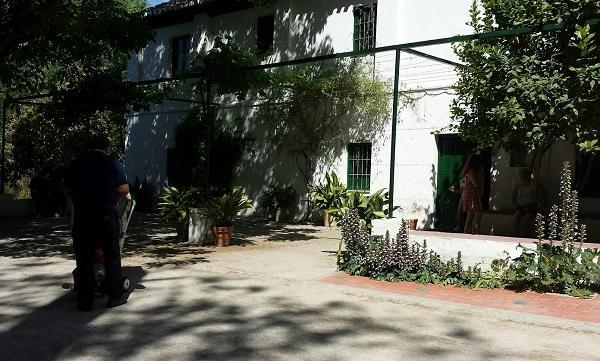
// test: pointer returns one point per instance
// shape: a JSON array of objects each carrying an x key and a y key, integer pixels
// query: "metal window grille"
[
  {"x": 365, "y": 26},
  {"x": 181, "y": 47},
  {"x": 359, "y": 166}
]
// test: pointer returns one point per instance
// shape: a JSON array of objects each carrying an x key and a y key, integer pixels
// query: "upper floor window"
[
  {"x": 359, "y": 166},
  {"x": 265, "y": 29},
  {"x": 365, "y": 26},
  {"x": 180, "y": 57}
]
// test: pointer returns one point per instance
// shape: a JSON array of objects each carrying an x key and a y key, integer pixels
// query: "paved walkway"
[
  {"x": 553, "y": 305},
  {"x": 262, "y": 299}
]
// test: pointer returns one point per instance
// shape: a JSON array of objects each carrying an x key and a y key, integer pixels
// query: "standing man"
[{"x": 95, "y": 182}]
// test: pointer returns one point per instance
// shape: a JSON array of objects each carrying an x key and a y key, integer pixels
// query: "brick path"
[{"x": 553, "y": 305}]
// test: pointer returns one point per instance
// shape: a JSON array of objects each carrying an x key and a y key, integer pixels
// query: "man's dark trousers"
[{"x": 91, "y": 231}]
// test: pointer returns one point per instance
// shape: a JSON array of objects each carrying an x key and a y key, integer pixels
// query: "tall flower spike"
[
  {"x": 540, "y": 227},
  {"x": 582, "y": 235}
]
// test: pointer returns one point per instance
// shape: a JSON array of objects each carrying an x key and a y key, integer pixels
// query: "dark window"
[
  {"x": 359, "y": 166},
  {"x": 180, "y": 57},
  {"x": 265, "y": 33},
  {"x": 588, "y": 175},
  {"x": 365, "y": 26}
]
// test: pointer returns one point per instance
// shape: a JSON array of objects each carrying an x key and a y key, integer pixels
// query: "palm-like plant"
[
  {"x": 222, "y": 210},
  {"x": 329, "y": 196},
  {"x": 176, "y": 206}
]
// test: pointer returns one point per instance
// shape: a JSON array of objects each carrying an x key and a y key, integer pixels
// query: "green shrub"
[
  {"x": 335, "y": 199},
  {"x": 144, "y": 193},
  {"x": 398, "y": 260},
  {"x": 277, "y": 196},
  {"x": 558, "y": 264},
  {"x": 176, "y": 206},
  {"x": 222, "y": 210},
  {"x": 329, "y": 196}
]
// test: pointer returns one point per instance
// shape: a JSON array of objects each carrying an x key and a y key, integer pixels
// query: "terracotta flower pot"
[
  {"x": 412, "y": 224},
  {"x": 222, "y": 235}
]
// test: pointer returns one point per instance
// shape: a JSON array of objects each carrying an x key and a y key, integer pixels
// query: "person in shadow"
[{"x": 95, "y": 181}]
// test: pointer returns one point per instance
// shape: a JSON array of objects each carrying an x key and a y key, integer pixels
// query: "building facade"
[{"x": 427, "y": 156}]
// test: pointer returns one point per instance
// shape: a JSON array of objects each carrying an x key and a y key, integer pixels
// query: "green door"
[{"x": 452, "y": 151}]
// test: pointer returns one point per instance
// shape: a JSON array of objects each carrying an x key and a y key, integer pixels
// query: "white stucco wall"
[{"x": 308, "y": 28}]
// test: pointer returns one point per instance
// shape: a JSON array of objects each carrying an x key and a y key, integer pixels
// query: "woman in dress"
[{"x": 472, "y": 193}]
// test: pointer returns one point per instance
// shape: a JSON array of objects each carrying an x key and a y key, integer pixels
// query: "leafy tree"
[
  {"x": 208, "y": 149},
  {"x": 75, "y": 58},
  {"x": 532, "y": 90},
  {"x": 314, "y": 110},
  {"x": 195, "y": 148}
]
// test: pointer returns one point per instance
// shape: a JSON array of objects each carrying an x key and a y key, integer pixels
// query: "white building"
[{"x": 424, "y": 159}]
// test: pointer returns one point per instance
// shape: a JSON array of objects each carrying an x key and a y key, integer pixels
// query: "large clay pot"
[{"x": 222, "y": 235}]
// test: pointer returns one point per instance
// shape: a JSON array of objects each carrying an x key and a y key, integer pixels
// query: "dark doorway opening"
[{"x": 452, "y": 154}]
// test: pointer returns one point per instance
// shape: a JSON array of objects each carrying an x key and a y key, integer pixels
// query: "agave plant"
[
  {"x": 176, "y": 206},
  {"x": 222, "y": 210}
]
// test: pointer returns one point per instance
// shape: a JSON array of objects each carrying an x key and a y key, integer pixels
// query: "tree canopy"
[
  {"x": 312, "y": 108},
  {"x": 530, "y": 90},
  {"x": 72, "y": 55}
]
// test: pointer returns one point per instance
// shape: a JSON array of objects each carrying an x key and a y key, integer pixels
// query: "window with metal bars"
[
  {"x": 359, "y": 166},
  {"x": 180, "y": 56},
  {"x": 365, "y": 26}
]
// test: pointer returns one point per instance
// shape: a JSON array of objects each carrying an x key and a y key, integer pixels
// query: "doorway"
[{"x": 452, "y": 154}]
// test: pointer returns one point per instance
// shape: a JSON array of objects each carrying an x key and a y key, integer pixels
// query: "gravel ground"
[{"x": 260, "y": 299}]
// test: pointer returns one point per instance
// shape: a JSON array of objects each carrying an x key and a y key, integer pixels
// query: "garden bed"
[
  {"x": 476, "y": 249},
  {"x": 544, "y": 304}
]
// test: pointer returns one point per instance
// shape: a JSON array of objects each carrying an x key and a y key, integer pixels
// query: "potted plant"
[
  {"x": 221, "y": 211},
  {"x": 412, "y": 222},
  {"x": 277, "y": 200},
  {"x": 329, "y": 197},
  {"x": 369, "y": 206},
  {"x": 176, "y": 206}
]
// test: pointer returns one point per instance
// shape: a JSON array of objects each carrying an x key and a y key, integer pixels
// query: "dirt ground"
[{"x": 260, "y": 299}]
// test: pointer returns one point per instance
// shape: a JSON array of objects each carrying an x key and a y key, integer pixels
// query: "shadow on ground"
[
  {"x": 252, "y": 227},
  {"x": 216, "y": 323},
  {"x": 148, "y": 236}
]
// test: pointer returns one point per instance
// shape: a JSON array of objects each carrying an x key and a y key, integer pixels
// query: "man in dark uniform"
[{"x": 95, "y": 182}]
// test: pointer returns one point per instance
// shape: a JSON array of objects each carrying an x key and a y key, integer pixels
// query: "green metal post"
[
  {"x": 393, "y": 145},
  {"x": 2, "y": 148}
]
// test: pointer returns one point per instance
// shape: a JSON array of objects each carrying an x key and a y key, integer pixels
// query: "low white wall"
[
  {"x": 474, "y": 251},
  {"x": 15, "y": 208}
]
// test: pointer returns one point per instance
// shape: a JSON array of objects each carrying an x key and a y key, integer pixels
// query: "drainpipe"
[{"x": 393, "y": 146}]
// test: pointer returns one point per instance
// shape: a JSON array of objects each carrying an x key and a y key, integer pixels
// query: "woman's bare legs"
[
  {"x": 476, "y": 222},
  {"x": 469, "y": 222}
]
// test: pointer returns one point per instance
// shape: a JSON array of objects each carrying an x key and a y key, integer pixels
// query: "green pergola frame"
[{"x": 398, "y": 48}]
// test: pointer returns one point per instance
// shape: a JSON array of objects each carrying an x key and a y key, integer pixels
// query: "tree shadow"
[
  {"x": 222, "y": 319},
  {"x": 35, "y": 238},
  {"x": 257, "y": 228}
]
